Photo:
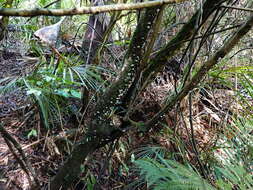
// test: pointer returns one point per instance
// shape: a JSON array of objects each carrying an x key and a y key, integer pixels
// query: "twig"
[
  {"x": 106, "y": 163},
  {"x": 52, "y": 3},
  {"x": 194, "y": 144},
  {"x": 237, "y": 8},
  {"x": 23, "y": 160},
  {"x": 247, "y": 48},
  {"x": 59, "y": 57},
  {"x": 199, "y": 37}
]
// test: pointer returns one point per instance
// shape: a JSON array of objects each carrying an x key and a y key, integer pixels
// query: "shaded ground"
[{"x": 47, "y": 151}]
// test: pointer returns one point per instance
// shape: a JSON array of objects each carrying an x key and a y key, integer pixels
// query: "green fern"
[
  {"x": 161, "y": 174},
  {"x": 233, "y": 169}
]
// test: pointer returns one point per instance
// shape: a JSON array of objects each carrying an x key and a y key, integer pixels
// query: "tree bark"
[
  {"x": 93, "y": 37},
  {"x": 101, "y": 129}
]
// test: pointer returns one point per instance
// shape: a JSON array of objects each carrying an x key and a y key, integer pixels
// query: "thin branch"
[
  {"x": 196, "y": 79},
  {"x": 193, "y": 140},
  {"x": 247, "y": 48},
  {"x": 22, "y": 159},
  {"x": 157, "y": 63},
  {"x": 50, "y": 4},
  {"x": 197, "y": 37},
  {"x": 201, "y": 36},
  {"x": 237, "y": 8},
  {"x": 84, "y": 10}
]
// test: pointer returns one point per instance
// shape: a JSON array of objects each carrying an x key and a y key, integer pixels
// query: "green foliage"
[
  {"x": 246, "y": 94},
  {"x": 32, "y": 133},
  {"x": 91, "y": 181},
  {"x": 51, "y": 87},
  {"x": 162, "y": 174},
  {"x": 236, "y": 158},
  {"x": 235, "y": 176},
  {"x": 42, "y": 2},
  {"x": 233, "y": 169},
  {"x": 240, "y": 79},
  {"x": 170, "y": 16}
]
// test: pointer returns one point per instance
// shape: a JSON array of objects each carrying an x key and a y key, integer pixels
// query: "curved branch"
[
  {"x": 196, "y": 79},
  {"x": 84, "y": 10},
  {"x": 238, "y": 8}
]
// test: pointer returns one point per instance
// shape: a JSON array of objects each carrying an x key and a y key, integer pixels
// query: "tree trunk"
[
  {"x": 93, "y": 37},
  {"x": 101, "y": 130}
]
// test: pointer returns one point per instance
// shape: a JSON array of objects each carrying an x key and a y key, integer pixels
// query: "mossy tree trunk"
[{"x": 101, "y": 130}]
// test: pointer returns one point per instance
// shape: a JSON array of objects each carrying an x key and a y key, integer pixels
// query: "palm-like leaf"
[{"x": 169, "y": 174}]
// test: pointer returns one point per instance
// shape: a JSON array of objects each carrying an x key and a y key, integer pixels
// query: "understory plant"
[
  {"x": 50, "y": 89},
  {"x": 231, "y": 170}
]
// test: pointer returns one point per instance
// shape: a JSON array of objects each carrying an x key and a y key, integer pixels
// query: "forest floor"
[{"x": 45, "y": 153}]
